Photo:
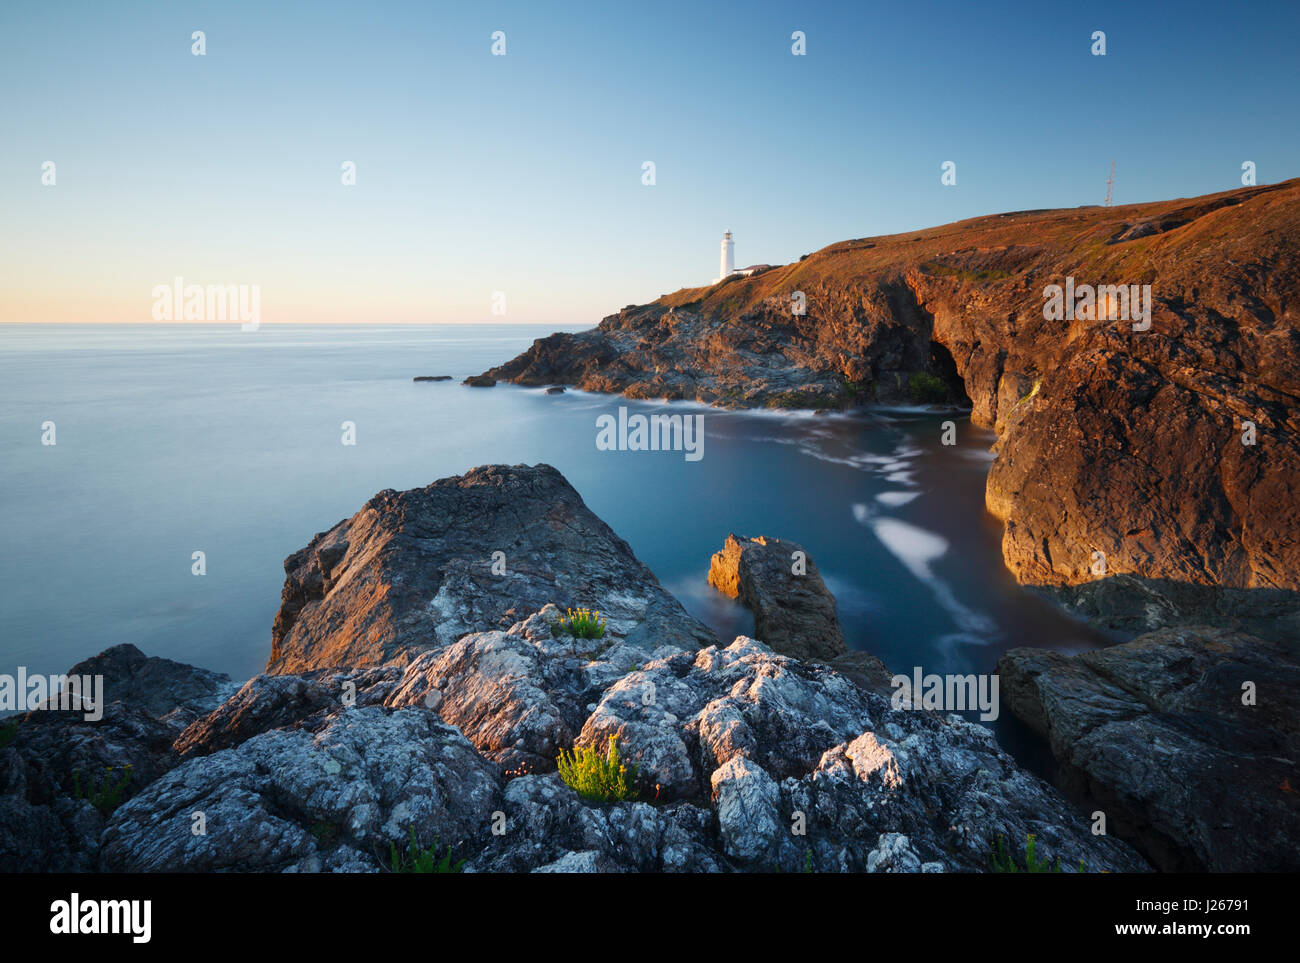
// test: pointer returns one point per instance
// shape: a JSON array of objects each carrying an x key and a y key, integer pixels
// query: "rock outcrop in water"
[
  {"x": 746, "y": 759},
  {"x": 780, "y": 584},
  {"x": 1110, "y": 440},
  {"x": 1190, "y": 738}
]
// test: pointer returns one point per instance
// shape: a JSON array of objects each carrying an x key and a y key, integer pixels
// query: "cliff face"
[{"x": 1111, "y": 440}]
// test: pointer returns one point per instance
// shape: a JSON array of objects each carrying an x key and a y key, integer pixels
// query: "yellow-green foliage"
[
  {"x": 935, "y": 269},
  {"x": 582, "y": 624},
  {"x": 1033, "y": 392},
  {"x": 600, "y": 777},
  {"x": 928, "y": 388}
]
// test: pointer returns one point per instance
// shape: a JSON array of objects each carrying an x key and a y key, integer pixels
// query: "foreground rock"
[
  {"x": 419, "y": 569},
  {"x": 296, "y": 800},
  {"x": 1110, "y": 440},
  {"x": 1157, "y": 730},
  {"x": 735, "y": 748},
  {"x": 57, "y": 760},
  {"x": 744, "y": 759}
]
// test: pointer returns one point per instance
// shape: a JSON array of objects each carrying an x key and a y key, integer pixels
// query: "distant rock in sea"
[
  {"x": 432, "y": 378},
  {"x": 480, "y": 381},
  {"x": 793, "y": 611}
]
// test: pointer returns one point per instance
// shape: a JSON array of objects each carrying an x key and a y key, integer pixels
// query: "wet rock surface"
[{"x": 1127, "y": 606}]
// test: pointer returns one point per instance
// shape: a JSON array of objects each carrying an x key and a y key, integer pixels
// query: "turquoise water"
[{"x": 173, "y": 439}]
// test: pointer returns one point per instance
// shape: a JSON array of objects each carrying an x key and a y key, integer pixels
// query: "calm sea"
[{"x": 173, "y": 439}]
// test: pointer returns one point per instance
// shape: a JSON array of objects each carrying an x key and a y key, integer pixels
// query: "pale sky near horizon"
[{"x": 523, "y": 173}]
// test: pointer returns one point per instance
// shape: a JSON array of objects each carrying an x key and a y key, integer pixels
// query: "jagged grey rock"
[
  {"x": 58, "y": 758},
  {"x": 417, "y": 570},
  {"x": 1160, "y": 731},
  {"x": 746, "y": 759},
  {"x": 289, "y": 799}
]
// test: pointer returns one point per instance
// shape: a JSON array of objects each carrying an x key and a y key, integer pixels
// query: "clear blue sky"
[{"x": 522, "y": 173}]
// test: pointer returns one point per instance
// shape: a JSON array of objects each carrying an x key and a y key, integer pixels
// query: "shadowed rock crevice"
[
  {"x": 945, "y": 368},
  {"x": 1188, "y": 738}
]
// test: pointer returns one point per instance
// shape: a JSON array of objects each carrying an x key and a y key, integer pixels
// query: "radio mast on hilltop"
[{"x": 1110, "y": 184}]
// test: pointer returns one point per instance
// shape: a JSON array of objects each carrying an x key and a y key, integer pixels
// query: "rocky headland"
[
  {"x": 1146, "y": 472},
  {"x": 415, "y": 689},
  {"x": 1110, "y": 440},
  {"x": 419, "y": 679}
]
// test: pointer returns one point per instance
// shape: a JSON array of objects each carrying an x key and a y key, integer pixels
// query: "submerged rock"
[
  {"x": 1189, "y": 738},
  {"x": 1127, "y": 606}
]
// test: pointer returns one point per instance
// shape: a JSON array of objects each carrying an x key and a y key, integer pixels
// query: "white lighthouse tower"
[{"x": 728, "y": 258}]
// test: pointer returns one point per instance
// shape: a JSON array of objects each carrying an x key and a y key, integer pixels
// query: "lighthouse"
[{"x": 728, "y": 257}]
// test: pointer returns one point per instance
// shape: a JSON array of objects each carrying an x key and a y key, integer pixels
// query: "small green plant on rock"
[
  {"x": 416, "y": 859},
  {"x": 597, "y": 776},
  {"x": 105, "y": 792},
  {"x": 1003, "y": 862},
  {"x": 856, "y": 391},
  {"x": 927, "y": 388},
  {"x": 581, "y": 624},
  {"x": 1033, "y": 392}
]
